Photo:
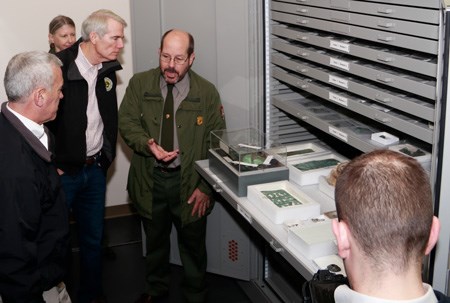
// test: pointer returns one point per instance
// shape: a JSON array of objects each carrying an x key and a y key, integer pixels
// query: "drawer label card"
[
  {"x": 244, "y": 213},
  {"x": 340, "y": 64},
  {"x": 337, "y": 133},
  {"x": 338, "y": 81},
  {"x": 338, "y": 99},
  {"x": 343, "y": 47}
]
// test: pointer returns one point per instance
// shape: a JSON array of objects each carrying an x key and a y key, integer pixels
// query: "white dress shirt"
[
  {"x": 94, "y": 130},
  {"x": 36, "y": 129},
  {"x": 344, "y": 294}
]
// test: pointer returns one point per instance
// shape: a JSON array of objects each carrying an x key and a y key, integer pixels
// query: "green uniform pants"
[{"x": 191, "y": 241}]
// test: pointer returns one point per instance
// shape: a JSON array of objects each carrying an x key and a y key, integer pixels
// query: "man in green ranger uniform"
[{"x": 166, "y": 118}]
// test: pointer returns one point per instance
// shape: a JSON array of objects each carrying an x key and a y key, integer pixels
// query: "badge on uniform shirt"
[
  {"x": 199, "y": 120},
  {"x": 108, "y": 84}
]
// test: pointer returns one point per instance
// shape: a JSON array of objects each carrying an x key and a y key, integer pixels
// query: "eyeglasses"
[{"x": 177, "y": 59}]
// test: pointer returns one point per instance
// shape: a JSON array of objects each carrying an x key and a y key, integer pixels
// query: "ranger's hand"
[
  {"x": 159, "y": 153},
  {"x": 201, "y": 203}
]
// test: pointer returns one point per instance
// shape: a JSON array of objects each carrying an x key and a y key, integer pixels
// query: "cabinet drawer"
[
  {"x": 415, "y": 127},
  {"x": 416, "y": 62},
  {"x": 384, "y": 37},
  {"x": 425, "y": 15},
  {"x": 297, "y": 105},
  {"x": 418, "y": 3},
  {"x": 430, "y": 31},
  {"x": 421, "y": 86},
  {"x": 337, "y": 123},
  {"x": 404, "y": 102}
]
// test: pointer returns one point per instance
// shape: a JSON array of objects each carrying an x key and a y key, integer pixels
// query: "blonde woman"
[{"x": 61, "y": 33}]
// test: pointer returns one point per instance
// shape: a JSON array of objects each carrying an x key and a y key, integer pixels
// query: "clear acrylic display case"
[{"x": 246, "y": 157}]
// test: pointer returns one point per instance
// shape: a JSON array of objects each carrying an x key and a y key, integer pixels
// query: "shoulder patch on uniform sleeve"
[{"x": 222, "y": 112}]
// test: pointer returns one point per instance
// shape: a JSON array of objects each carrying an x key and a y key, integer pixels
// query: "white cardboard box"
[
  {"x": 313, "y": 239},
  {"x": 424, "y": 160},
  {"x": 384, "y": 138},
  {"x": 296, "y": 152},
  {"x": 281, "y": 201},
  {"x": 325, "y": 187},
  {"x": 311, "y": 176}
]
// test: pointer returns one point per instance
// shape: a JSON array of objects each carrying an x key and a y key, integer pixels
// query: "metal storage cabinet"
[
  {"x": 349, "y": 68},
  {"x": 397, "y": 97}
]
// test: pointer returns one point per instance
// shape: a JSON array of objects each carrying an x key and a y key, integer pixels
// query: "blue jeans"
[{"x": 85, "y": 195}]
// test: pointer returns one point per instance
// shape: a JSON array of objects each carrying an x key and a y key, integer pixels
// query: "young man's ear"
[
  {"x": 342, "y": 233},
  {"x": 434, "y": 235}
]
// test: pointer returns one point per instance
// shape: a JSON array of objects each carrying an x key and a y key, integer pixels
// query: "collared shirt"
[
  {"x": 180, "y": 92},
  {"x": 343, "y": 294},
  {"x": 94, "y": 130},
  {"x": 37, "y": 129}
]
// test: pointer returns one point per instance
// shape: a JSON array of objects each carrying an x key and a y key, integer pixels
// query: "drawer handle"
[
  {"x": 302, "y": 85},
  {"x": 273, "y": 244},
  {"x": 383, "y": 119},
  {"x": 302, "y": 10},
  {"x": 386, "y": 25},
  {"x": 301, "y": 69},
  {"x": 386, "y": 59},
  {"x": 217, "y": 188},
  {"x": 383, "y": 99},
  {"x": 386, "y": 38},
  {"x": 303, "y": 54},
  {"x": 385, "y": 11},
  {"x": 303, "y": 21},
  {"x": 385, "y": 80}
]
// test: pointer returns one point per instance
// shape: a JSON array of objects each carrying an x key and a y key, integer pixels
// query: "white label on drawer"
[
  {"x": 244, "y": 213},
  {"x": 337, "y": 133},
  {"x": 338, "y": 99},
  {"x": 340, "y": 64},
  {"x": 338, "y": 81},
  {"x": 344, "y": 47}
]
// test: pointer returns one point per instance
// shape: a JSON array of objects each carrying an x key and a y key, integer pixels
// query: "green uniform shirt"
[{"x": 140, "y": 119}]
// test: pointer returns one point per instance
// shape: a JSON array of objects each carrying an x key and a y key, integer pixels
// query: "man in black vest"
[{"x": 86, "y": 135}]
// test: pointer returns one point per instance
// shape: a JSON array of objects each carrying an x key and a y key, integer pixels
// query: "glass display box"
[{"x": 246, "y": 157}]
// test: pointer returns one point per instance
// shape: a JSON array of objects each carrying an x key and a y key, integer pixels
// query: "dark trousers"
[
  {"x": 85, "y": 195},
  {"x": 191, "y": 241}
]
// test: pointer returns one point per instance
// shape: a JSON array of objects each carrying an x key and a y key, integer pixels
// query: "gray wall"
[{"x": 227, "y": 54}]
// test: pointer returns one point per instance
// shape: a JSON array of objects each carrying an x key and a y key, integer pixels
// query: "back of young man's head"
[{"x": 385, "y": 199}]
